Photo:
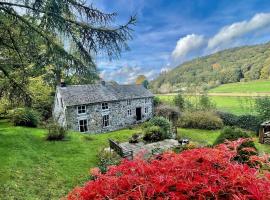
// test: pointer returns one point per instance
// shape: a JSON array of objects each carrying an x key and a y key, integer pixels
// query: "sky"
[{"x": 170, "y": 32}]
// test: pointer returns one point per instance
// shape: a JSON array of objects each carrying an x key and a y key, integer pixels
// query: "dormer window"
[
  {"x": 104, "y": 106},
  {"x": 81, "y": 109},
  {"x": 128, "y": 102}
]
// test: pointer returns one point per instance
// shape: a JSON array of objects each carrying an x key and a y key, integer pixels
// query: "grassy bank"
[
  {"x": 33, "y": 168},
  {"x": 232, "y": 104}
]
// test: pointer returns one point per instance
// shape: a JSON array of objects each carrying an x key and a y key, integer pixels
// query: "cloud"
[
  {"x": 188, "y": 44},
  {"x": 126, "y": 74},
  {"x": 228, "y": 33}
]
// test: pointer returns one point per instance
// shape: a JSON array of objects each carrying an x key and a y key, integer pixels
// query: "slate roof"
[{"x": 96, "y": 93}]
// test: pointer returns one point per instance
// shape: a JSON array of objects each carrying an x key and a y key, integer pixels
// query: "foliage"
[
  {"x": 205, "y": 103},
  {"x": 153, "y": 134},
  {"x": 179, "y": 101},
  {"x": 33, "y": 34},
  {"x": 204, "y": 173},
  {"x": 135, "y": 138},
  {"x": 140, "y": 79},
  {"x": 156, "y": 101},
  {"x": 164, "y": 124},
  {"x": 201, "y": 120},
  {"x": 262, "y": 106},
  {"x": 231, "y": 133},
  {"x": 169, "y": 112},
  {"x": 24, "y": 117},
  {"x": 55, "y": 131},
  {"x": 248, "y": 122},
  {"x": 106, "y": 159},
  {"x": 229, "y": 66}
]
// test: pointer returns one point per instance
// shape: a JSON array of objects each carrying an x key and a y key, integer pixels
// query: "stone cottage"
[{"x": 101, "y": 107}]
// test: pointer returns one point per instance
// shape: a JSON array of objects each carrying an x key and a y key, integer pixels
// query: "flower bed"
[{"x": 204, "y": 173}]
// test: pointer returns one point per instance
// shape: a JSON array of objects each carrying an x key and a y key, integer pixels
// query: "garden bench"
[{"x": 120, "y": 150}]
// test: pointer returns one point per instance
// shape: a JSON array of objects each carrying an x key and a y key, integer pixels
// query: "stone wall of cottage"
[
  {"x": 117, "y": 111},
  {"x": 59, "y": 110}
]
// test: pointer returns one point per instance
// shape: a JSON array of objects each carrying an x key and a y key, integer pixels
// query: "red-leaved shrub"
[{"x": 204, "y": 173}]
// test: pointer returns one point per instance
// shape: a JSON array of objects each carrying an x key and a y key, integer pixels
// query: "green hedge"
[{"x": 24, "y": 117}]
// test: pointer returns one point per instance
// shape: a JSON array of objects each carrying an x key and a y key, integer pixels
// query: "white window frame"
[
  {"x": 129, "y": 112},
  {"x": 105, "y": 120},
  {"x": 81, "y": 106},
  {"x": 129, "y": 102},
  {"x": 85, "y": 126},
  {"x": 104, "y": 107},
  {"x": 146, "y": 110}
]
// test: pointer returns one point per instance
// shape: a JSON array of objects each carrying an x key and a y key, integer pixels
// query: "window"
[
  {"x": 104, "y": 106},
  {"x": 146, "y": 110},
  {"x": 129, "y": 112},
  {"x": 105, "y": 121},
  {"x": 128, "y": 102},
  {"x": 83, "y": 125},
  {"x": 81, "y": 109}
]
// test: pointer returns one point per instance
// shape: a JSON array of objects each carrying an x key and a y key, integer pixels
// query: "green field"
[
  {"x": 208, "y": 137},
  {"x": 33, "y": 168},
  {"x": 235, "y": 105},
  {"x": 243, "y": 87}
]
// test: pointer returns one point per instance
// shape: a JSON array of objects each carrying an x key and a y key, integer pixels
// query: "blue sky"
[{"x": 169, "y": 32}]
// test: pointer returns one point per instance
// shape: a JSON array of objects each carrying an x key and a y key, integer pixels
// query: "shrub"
[
  {"x": 205, "y": 103},
  {"x": 169, "y": 112},
  {"x": 231, "y": 133},
  {"x": 262, "y": 106},
  {"x": 164, "y": 124},
  {"x": 201, "y": 120},
  {"x": 107, "y": 158},
  {"x": 248, "y": 122},
  {"x": 153, "y": 134},
  {"x": 24, "y": 117},
  {"x": 55, "y": 131},
  {"x": 135, "y": 138},
  {"x": 156, "y": 101},
  {"x": 211, "y": 174},
  {"x": 179, "y": 101}
]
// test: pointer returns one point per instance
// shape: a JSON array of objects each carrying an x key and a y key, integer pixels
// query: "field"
[
  {"x": 235, "y": 105},
  {"x": 33, "y": 168},
  {"x": 259, "y": 87}
]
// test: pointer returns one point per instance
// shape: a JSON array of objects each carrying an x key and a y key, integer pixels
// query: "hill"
[
  {"x": 260, "y": 87},
  {"x": 245, "y": 63}
]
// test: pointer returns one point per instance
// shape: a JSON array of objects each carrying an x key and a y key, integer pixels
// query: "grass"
[
  {"x": 232, "y": 104},
  {"x": 33, "y": 168},
  {"x": 243, "y": 87},
  {"x": 208, "y": 137}
]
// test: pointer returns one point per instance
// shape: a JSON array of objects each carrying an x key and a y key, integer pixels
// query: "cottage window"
[
  {"x": 146, "y": 110},
  {"x": 83, "y": 125},
  {"x": 128, "y": 102},
  {"x": 81, "y": 109},
  {"x": 104, "y": 106},
  {"x": 129, "y": 112},
  {"x": 105, "y": 121}
]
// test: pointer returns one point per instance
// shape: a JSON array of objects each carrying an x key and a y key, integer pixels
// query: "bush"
[
  {"x": 211, "y": 174},
  {"x": 205, "y": 103},
  {"x": 262, "y": 106},
  {"x": 231, "y": 133},
  {"x": 164, "y": 124},
  {"x": 24, "y": 117},
  {"x": 153, "y": 134},
  {"x": 107, "y": 158},
  {"x": 135, "y": 138},
  {"x": 179, "y": 101},
  {"x": 169, "y": 112},
  {"x": 55, "y": 132},
  {"x": 156, "y": 101},
  {"x": 201, "y": 120},
  {"x": 248, "y": 122}
]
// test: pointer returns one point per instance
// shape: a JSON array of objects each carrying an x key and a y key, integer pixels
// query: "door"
[{"x": 139, "y": 113}]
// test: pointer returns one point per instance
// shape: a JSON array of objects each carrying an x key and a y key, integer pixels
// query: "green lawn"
[
  {"x": 235, "y": 105},
  {"x": 33, "y": 168},
  {"x": 208, "y": 137},
  {"x": 243, "y": 87}
]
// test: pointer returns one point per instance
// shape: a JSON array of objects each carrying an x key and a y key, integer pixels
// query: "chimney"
[{"x": 62, "y": 84}]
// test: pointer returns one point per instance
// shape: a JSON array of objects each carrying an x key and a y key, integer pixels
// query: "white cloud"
[
  {"x": 187, "y": 44},
  {"x": 238, "y": 29}
]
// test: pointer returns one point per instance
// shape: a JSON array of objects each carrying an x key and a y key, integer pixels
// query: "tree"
[
  {"x": 140, "y": 79},
  {"x": 262, "y": 106},
  {"x": 60, "y": 37},
  {"x": 179, "y": 101}
]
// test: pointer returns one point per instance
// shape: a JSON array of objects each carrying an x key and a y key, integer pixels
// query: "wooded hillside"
[{"x": 233, "y": 65}]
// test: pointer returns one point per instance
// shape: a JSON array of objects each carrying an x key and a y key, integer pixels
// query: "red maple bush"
[{"x": 204, "y": 173}]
